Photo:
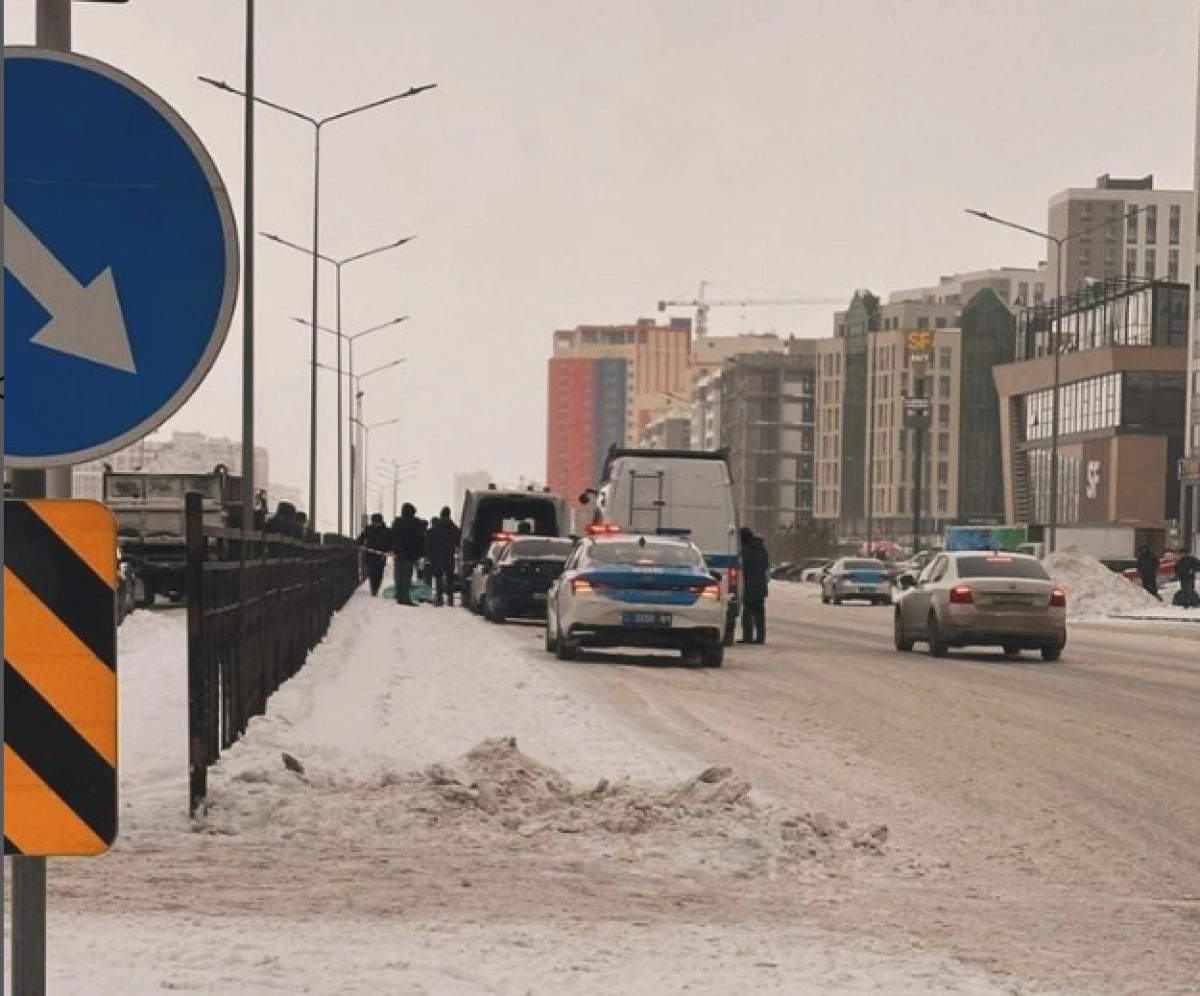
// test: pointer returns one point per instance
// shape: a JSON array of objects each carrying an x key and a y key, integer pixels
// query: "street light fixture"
[
  {"x": 317, "y": 124},
  {"x": 366, "y": 448},
  {"x": 1058, "y": 241},
  {"x": 337, "y": 264}
]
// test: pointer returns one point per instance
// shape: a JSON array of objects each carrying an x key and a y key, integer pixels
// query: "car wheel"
[
  {"x": 837, "y": 597},
  {"x": 937, "y": 645},
  {"x": 1052, "y": 652},
  {"x": 712, "y": 656},
  {"x": 496, "y": 609},
  {"x": 1011, "y": 651},
  {"x": 564, "y": 649},
  {"x": 903, "y": 643},
  {"x": 824, "y": 596}
]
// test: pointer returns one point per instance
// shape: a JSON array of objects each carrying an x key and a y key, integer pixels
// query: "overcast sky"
[{"x": 581, "y": 160}]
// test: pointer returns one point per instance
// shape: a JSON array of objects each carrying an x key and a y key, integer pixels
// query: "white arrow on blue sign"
[{"x": 121, "y": 259}]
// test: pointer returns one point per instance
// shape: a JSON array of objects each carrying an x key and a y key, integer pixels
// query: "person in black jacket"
[
  {"x": 375, "y": 540},
  {"x": 755, "y": 566},
  {"x": 441, "y": 542},
  {"x": 408, "y": 545},
  {"x": 1186, "y": 566},
  {"x": 1147, "y": 568}
]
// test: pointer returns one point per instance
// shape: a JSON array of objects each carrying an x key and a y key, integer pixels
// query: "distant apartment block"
[
  {"x": 587, "y": 411},
  {"x": 767, "y": 412},
  {"x": 1156, "y": 243},
  {"x": 1015, "y": 286},
  {"x": 672, "y": 430}
]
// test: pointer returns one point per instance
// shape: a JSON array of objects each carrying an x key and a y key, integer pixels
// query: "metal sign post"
[{"x": 919, "y": 347}]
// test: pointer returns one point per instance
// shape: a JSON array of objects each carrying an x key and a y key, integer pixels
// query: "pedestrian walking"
[
  {"x": 408, "y": 546},
  {"x": 1147, "y": 568},
  {"x": 375, "y": 541},
  {"x": 441, "y": 542},
  {"x": 756, "y": 564}
]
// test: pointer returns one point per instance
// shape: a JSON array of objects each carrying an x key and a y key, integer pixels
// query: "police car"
[{"x": 622, "y": 590}]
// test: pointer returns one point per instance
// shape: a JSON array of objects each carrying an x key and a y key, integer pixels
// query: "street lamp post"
[
  {"x": 366, "y": 449},
  {"x": 1058, "y": 241},
  {"x": 317, "y": 124},
  {"x": 337, "y": 264},
  {"x": 350, "y": 339}
]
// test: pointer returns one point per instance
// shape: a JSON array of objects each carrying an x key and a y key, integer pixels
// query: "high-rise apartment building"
[
  {"x": 767, "y": 411},
  {"x": 588, "y": 411},
  {"x": 607, "y": 383},
  {"x": 1015, "y": 286},
  {"x": 1154, "y": 243},
  {"x": 866, "y": 465}
]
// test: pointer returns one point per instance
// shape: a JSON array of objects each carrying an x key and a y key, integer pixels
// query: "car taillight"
[
  {"x": 712, "y": 590},
  {"x": 501, "y": 537},
  {"x": 1058, "y": 599},
  {"x": 603, "y": 529},
  {"x": 962, "y": 595},
  {"x": 579, "y": 586}
]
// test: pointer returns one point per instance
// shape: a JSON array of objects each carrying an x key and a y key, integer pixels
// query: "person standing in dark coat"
[
  {"x": 408, "y": 545},
  {"x": 441, "y": 542},
  {"x": 1186, "y": 567},
  {"x": 375, "y": 540},
  {"x": 755, "y": 565},
  {"x": 1147, "y": 568}
]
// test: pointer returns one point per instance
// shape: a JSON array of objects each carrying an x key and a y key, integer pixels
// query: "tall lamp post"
[
  {"x": 1058, "y": 241},
  {"x": 337, "y": 264},
  {"x": 317, "y": 124},
  {"x": 350, "y": 339},
  {"x": 366, "y": 449}
]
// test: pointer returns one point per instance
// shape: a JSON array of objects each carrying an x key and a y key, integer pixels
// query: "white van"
[{"x": 675, "y": 493}]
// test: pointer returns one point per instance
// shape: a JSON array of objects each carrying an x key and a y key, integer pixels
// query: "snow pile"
[
  {"x": 1094, "y": 591},
  {"x": 495, "y": 795}
]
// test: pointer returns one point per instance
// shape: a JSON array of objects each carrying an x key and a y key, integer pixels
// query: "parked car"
[
  {"x": 813, "y": 570},
  {"x": 517, "y": 580},
  {"x": 637, "y": 591},
  {"x": 972, "y": 598},
  {"x": 856, "y": 578},
  {"x": 475, "y": 583}
]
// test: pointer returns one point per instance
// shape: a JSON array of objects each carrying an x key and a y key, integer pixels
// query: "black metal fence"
[{"x": 255, "y": 610}]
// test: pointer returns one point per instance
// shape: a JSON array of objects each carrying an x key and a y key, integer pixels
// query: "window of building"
[
  {"x": 943, "y": 443},
  {"x": 939, "y": 323},
  {"x": 1151, "y": 213},
  {"x": 1148, "y": 265},
  {"x": 1173, "y": 264},
  {"x": 943, "y": 416},
  {"x": 944, "y": 386},
  {"x": 1131, "y": 262},
  {"x": 1110, "y": 256},
  {"x": 1131, "y": 228},
  {"x": 943, "y": 472},
  {"x": 1173, "y": 221},
  {"x": 944, "y": 358},
  {"x": 943, "y": 501},
  {"x": 1023, "y": 292},
  {"x": 922, "y": 321}
]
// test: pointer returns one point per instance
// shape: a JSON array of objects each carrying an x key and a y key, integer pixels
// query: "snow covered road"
[{"x": 822, "y": 816}]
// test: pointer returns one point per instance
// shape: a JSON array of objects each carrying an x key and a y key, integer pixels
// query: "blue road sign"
[{"x": 120, "y": 259}]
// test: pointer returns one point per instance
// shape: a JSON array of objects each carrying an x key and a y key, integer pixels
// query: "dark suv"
[{"x": 517, "y": 582}]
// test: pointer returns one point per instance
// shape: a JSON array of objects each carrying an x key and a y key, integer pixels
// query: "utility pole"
[{"x": 919, "y": 347}]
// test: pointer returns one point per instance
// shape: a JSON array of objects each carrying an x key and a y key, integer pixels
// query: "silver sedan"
[{"x": 972, "y": 598}]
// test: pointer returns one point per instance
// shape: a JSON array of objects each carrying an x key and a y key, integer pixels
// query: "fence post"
[{"x": 197, "y": 700}]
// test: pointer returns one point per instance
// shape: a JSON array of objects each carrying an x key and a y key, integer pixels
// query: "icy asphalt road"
[{"x": 1046, "y": 816}]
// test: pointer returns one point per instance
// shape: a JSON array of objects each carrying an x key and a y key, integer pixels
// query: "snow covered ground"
[
  {"x": 466, "y": 821},
  {"x": 1094, "y": 592}
]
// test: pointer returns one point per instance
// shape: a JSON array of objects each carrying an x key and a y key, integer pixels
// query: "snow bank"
[{"x": 1093, "y": 591}]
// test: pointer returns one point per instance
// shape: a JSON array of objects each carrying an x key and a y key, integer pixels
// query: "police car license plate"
[{"x": 635, "y": 620}]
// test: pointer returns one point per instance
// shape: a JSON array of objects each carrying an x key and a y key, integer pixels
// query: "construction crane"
[{"x": 701, "y": 303}]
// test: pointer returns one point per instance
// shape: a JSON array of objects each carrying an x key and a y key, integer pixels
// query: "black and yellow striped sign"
[{"x": 60, "y": 677}]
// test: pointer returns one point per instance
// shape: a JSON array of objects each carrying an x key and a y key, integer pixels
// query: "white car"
[
  {"x": 637, "y": 591},
  {"x": 475, "y": 584}
]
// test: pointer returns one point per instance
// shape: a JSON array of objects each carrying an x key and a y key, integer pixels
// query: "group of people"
[
  {"x": 410, "y": 541},
  {"x": 1186, "y": 567}
]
